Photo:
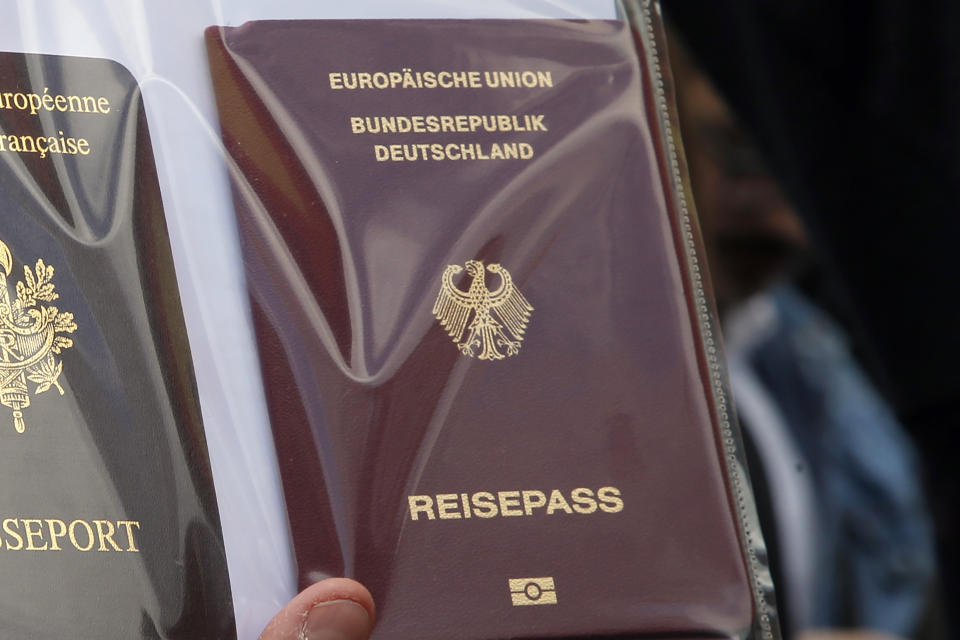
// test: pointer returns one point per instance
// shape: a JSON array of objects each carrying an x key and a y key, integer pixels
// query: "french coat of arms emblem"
[{"x": 31, "y": 335}]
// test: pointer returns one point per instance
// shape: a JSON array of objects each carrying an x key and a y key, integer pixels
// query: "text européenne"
[{"x": 37, "y": 103}]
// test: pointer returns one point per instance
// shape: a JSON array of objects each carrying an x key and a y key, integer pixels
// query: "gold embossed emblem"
[
  {"x": 499, "y": 317},
  {"x": 532, "y": 591},
  {"x": 30, "y": 336}
]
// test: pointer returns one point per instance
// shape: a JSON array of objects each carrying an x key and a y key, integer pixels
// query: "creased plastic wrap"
[{"x": 468, "y": 362}]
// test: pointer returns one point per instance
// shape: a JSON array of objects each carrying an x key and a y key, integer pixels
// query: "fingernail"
[{"x": 336, "y": 620}]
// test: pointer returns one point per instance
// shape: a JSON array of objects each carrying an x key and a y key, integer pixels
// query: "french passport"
[
  {"x": 489, "y": 356},
  {"x": 108, "y": 519}
]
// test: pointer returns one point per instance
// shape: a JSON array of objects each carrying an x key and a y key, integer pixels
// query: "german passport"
[{"x": 488, "y": 352}]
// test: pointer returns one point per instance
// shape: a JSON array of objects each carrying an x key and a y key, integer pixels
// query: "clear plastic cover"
[{"x": 204, "y": 185}]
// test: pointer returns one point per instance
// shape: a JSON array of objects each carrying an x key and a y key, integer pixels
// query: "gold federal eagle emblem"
[
  {"x": 30, "y": 336},
  {"x": 499, "y": 317}
]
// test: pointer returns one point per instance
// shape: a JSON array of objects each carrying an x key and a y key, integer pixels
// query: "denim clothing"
[{"x": 874, "y": 558}]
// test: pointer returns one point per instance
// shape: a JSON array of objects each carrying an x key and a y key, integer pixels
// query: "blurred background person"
[
  {"x": 855, "y": 106},
  {"x": 840, "y": 498}
]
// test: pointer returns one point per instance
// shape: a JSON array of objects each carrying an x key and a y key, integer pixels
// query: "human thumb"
[{"x": 332, "y": 609}]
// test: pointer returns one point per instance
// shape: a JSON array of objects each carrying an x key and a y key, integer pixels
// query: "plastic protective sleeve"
[
  {"x": 370, "y": 404},
  {"x": 198, "y": 177},
  {"x": 647, "y": 20}
]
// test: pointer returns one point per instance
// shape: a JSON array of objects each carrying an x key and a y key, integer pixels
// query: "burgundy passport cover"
[{"x": 491, "y": 399}]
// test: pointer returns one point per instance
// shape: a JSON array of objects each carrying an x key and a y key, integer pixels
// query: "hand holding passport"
[{"x": 332, "y": 609}]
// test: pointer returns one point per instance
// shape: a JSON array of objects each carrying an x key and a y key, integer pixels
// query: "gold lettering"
[
  {"x": 8, "y": 527},
  {"x": 528, "y": 502},
  {"x": 508, "y": 501},
  {"x": 421, "y": 504},
  {"x": 533, "y": 500},
  {"x": 128, "y": 525},
  {"x": 44, "y": 146},
  {"x": 73, "y": 536},
  {"x": 484, "y": 504},
  {"x": 406, "y": 78},
  {"x": 610, "y": 499},
  {"x": 28, "y": 144},
  {"x": 557, "y": 501},
  {"x": 447, "y": 504},
  {"x": 583, "y": 501},
  {"x": 59, "y": 532},
  {"x": 31, "y": 534},
  {"x": 105, "y": 536},
  {"x": 46, "y": 534}
]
